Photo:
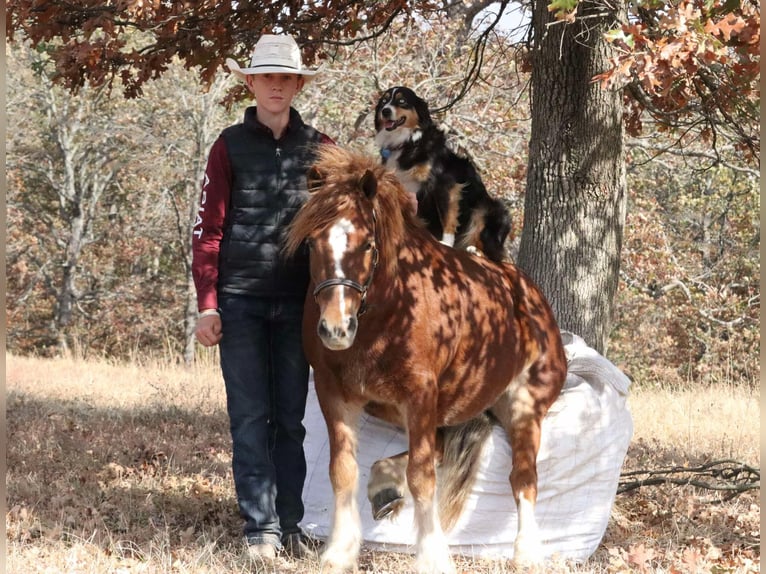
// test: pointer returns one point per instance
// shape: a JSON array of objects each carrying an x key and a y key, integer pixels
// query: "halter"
[{"x": 361, "y": 287}]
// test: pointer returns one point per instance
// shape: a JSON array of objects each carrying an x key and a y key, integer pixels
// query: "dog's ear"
[
  {"x": 383, "y": 99},
  {"x": 421, "y": 107},
  {"x": 314, "y": 179}
]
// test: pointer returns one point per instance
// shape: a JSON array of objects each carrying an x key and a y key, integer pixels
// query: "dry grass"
[
  {"x": 723, "y": 423},
  {"x": 125, "y": 469}
]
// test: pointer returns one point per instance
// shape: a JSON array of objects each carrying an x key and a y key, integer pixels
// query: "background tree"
[
  {"x": 77, "y": 163},
  {"x": 692, "y": 69},
  {"x": 113, "y": 252},
  {"x": 689, "y": 299},
  {"x": 576, "y": 198},
  {"x": 179, "y": 132}
]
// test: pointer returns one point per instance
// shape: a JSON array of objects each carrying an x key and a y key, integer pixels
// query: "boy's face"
[{"x": 274, "y": 92}]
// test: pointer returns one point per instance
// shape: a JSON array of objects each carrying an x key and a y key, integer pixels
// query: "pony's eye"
[{"x": 368, "y": 246}]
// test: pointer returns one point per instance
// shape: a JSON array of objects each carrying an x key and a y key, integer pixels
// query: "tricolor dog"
[{"x": 450, "y": 195}]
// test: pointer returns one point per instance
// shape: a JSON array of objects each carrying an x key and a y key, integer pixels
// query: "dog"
[{"x": 451, "y": 197}]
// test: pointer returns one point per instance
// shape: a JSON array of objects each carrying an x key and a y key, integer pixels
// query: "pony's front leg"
[
  {"x": 386, "y": 486},
  {"x": 345, "y": 539},
  {"x": 432, "y": 553}
]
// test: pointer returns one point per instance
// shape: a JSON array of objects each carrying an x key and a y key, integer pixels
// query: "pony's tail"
[{"x": 463, "y": 445}]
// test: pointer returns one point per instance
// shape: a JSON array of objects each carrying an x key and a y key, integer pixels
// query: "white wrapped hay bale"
[{"x": 584, "y": 440}]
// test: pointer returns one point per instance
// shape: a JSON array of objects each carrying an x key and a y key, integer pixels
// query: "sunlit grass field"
[{"x": 115, "y": 468}]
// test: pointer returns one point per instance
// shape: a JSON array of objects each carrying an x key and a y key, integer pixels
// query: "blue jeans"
[{"x": 266, "y": 376}]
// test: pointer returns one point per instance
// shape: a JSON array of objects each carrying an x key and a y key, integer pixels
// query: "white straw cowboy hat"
[{"x": 273, "y": 55}]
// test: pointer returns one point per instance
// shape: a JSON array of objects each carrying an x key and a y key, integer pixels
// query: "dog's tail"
[{"x": 463, "y": 445}]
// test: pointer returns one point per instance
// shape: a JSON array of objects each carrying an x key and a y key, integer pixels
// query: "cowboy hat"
[{"x": 273, "y": 55}]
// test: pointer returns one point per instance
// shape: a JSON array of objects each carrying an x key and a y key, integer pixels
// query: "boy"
[{"x": 251, "y": 300}]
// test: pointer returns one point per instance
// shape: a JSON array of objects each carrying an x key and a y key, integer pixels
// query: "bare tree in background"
[
  {"x": 78, "y": 163},
  {"x": 182, "y": 133}
]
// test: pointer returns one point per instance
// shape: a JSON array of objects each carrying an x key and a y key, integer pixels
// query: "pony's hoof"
[
  {"x": 527, "y": 553},
  {"x": 333, "y": 561},
  {"x": 434, "y": 565},
  {"x": 387, "y": 502}
]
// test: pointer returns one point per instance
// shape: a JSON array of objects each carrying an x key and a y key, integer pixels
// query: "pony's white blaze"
[{"x": 339, "y": 233}]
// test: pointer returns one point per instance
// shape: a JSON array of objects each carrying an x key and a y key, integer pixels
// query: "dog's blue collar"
[{"x": 385, "y": 152}]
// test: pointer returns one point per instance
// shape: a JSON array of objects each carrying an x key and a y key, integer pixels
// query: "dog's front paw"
[{"x": 473, "y": 250}]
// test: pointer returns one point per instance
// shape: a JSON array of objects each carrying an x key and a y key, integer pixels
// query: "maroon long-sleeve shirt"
[{"x": 208, "y": 226}]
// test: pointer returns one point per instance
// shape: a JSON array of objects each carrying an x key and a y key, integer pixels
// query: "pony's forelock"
[{"x": 338, "y": 187}]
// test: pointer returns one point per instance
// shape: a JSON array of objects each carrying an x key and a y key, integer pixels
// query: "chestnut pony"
[{"x": 421, "y": 334}]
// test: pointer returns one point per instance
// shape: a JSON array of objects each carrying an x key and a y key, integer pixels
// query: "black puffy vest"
[{"x": 268, "y": 188}]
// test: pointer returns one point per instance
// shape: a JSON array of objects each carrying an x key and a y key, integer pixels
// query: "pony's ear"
[
  {"x": 368, "y": 184},
  {"x": 314, "y": 179}
]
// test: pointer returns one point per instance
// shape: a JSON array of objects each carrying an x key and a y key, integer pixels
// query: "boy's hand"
[{"x": 208, "y": 330}]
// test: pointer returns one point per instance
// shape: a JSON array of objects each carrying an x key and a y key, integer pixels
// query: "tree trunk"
[
  {"x": 574, "y": 210},
  {"x": 67, "y": 295},
  {"x": 190, "y": 313}
]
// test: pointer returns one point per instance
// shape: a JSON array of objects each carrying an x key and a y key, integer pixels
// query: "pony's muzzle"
[{"x": 339, "y": 336}]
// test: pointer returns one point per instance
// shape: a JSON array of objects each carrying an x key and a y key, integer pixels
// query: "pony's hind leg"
[
  {"x": 345, "y": 539},
  {"x": 458, "y": 456},
  {"x": 520, "y": 414}
]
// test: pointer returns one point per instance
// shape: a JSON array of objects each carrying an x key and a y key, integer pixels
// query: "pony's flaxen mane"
[{"x": 336, "y": 188}]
